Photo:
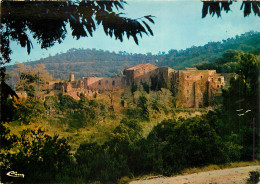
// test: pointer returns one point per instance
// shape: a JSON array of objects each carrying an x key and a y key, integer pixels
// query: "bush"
[
  {"x": 38, "y": 156},
  {"x": 254, "y": 177},
  {"x": 28, "y": 110},
  {"x": 155, "y": 105},
  {"x": 51, "y": 103},
  {"x": 146, "y": 87},
  {"x": 67, "y": 102},
  {"x": 186, "y": 143},
  {"x": 132, "y": 113},
  {"x": 110, "y": 161},
  {"x": 233, "y": 151},
  {"x": 142, "y": 104},
  {"x": 99, "y": 163}
]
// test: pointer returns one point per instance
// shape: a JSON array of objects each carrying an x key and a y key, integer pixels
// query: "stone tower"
[{"x": 71, "y": 77}]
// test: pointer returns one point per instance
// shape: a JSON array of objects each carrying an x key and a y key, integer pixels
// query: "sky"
[{"x": 178, "y": 25}]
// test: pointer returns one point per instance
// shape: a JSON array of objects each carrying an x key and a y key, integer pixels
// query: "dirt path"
[{"x": 225, "y": 176}]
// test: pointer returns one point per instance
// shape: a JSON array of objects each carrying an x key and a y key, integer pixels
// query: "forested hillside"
[
  {"x": 248, "y": 42},
  {"x": 92, "y": 62}
]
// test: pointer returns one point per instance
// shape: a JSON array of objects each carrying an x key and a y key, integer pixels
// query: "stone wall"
[
  {"x": 194, "y": 85},
  {"x": 165, "y": 74},
  {"x": 75, "y": 93},
  {"x": 104, "y": 83},
  {"x": 140, "y": 73}
]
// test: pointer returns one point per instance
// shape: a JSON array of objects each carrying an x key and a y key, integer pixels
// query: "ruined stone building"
[
  {"x": 140, "y": 73},
  {"x": 197, "y": 87},
  {"x": 194, "y": 88}
]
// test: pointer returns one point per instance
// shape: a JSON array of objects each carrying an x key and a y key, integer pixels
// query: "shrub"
[
  {"x": 67, "y": 102},
  {"x": 254, "y": 177},
  {"x": 38, "y": 156},
  {"x": 28, "y": 110},
  {"x": 99, "y": 163},
  {"x": 142, "y": 104},
  {"x": 186, "y": 143}
]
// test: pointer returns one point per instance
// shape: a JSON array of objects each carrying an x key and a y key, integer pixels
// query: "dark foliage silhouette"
[
  {"x": 38, "y": 156},
  {"x": 47, "y": 21},
  {"x": 215, "y": 7}
]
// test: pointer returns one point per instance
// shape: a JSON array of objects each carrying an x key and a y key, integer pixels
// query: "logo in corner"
[{"x": 15, "y": 174}]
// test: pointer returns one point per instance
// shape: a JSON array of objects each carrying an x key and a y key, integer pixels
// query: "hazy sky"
[{"x": 178, "y": 25}]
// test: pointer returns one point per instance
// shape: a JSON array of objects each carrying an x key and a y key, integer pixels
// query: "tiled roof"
[{"x": 140, "y": 66}]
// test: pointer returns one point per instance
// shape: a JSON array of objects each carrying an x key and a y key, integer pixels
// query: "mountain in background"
[{"x": 92, "y": 62}]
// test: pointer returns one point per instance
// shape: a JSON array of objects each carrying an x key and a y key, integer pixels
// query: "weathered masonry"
[
  {"x": 140, "y": 73},
  {"x": 195, "y": 87}
]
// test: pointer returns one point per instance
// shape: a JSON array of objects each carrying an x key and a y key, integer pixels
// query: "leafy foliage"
[
  {"x": 232, "y": 61},
  {"x": 6, "y": 138},
  {"x": 146, "y": 87},
  {"x": 234, "y": 121},
  {"x": 142, "y": 104},
  {"x": 34, "y": 81},
  {"x": 170, "y": 147},
  {"x": 187, "y": 143},
  {"x": 214, "y": 7},
  {"x": 218, "y": 137},
  {"x": 133, "y": 87},
  {"x": 82, "y": 113},
  {"x": 253, "y": 177},
  {"x": 157, "y": 83},
  {"x": 247, "y": 42},
  {"x": 108, "y": 162},
  {"x": 47, "y": 22},
  {"x": 67, "y": 103},
  {"x": 28, "y": 110},
  {"x": 38, "y": 156},
  {"x": 51, "y": 104}
]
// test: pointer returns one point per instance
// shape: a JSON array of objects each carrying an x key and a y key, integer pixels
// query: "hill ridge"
[{"x": 86, "y": 62}]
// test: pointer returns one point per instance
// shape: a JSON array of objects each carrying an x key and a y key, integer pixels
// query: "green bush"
[
  {"x": 233, "y": 151},
  {"x": 110, "y": 161},
  {"x": 186, "y": 143},
  {"x": 142, "y": 104},
  {"x": 51, "y": 103},
  {"x": 38, "y": 156},
  {"x": 254, "y": 177},
  {"x": 146, "y": 87},
  {"x": 28, "y": 110},
  {"x": 99, "y": 163},
  {"x": 67, "y": 102}
]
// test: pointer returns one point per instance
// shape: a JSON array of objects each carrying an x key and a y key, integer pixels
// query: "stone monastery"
[{"x": 194, "y": 87}]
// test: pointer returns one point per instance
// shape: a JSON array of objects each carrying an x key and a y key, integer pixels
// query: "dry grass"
[
  {"x": 98, "y": 133},
  {"x": 205, "y": 169},
  {"x": 218, "y": 167}
]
